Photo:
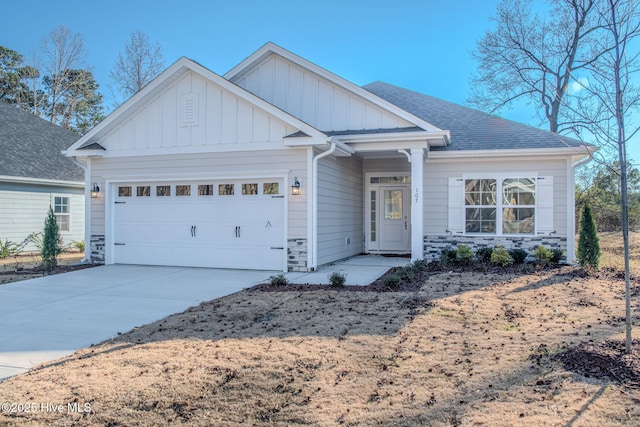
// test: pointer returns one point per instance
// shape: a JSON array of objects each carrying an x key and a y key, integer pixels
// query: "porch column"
[{"x": 417, "y": 203}]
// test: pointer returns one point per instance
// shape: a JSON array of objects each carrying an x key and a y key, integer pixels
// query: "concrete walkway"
[{"x": 50, "y": 317}]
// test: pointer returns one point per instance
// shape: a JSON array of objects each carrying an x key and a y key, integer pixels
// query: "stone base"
[
  {"x": 97, "y": 249},
  {"x": 297, "y": 255}
]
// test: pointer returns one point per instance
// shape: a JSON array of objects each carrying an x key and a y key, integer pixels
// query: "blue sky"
[{"x": 421, "y": 45}]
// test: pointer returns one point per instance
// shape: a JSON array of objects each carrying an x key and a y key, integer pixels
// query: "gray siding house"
[
  {"x": 34, "y": 175},
  {"x": 282, "y": 165}
]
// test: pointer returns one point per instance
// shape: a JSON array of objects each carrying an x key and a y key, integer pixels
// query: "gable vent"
[{"x": 189, "y": 109}]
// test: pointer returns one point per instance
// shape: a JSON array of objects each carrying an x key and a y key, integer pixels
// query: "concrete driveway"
[{"x": 50, "y": 317}]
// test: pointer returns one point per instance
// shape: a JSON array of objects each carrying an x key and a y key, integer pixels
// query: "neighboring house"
[
  {"x": 35, "y": 175},
  {"x": 282, "y": 165}
]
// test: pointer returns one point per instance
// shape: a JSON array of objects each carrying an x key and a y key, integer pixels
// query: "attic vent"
[{"x": 189, "y": 109}]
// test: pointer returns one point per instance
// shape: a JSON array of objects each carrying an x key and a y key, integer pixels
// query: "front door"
[{"x": 389, "y": 227}]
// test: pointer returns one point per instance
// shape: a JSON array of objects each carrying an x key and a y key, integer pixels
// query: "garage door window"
[
  {"x": 225, "y": 189},
  {"x": 205, "y": 190},
  {"x": 183, "y": 190},
  {"x": 249, "y": 189},
  {"x": 163, "y": 190},
  {"x": 143, "y": 191},
  {"x": 124, "y": 191},
  {"x": 270, "y": 188}
]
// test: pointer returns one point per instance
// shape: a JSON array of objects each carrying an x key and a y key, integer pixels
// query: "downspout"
[
  {"x": 314, "y": 203},
  {"x": 87, "y": 207}
]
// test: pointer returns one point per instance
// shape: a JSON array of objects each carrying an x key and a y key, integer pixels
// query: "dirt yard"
[
  {"x": 22, "y": 267},
  {"x": 459, "y": 348}
]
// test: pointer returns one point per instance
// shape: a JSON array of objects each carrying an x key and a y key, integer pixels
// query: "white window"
[
  {"x": 61, "y": 210},
  {"x": 501, "y": 205}
]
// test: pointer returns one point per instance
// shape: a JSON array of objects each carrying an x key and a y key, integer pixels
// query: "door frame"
[{"x": 374, "y": 246}]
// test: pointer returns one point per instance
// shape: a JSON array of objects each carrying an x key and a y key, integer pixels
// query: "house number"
[{"x": 416, "y": 194}]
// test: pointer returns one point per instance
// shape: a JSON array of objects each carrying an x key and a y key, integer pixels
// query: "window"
[
  {"x": 183, "y": 190},
  {"x": 62, "y": 212},
  {"x": 143, "y": 191},
  {"x": 225, "y": 189},
  {"x": 205, "y": 190},
  {"x": 505, "y": 206},
  {"x": 249, "y": 189},
  {"x": 270, "y": 188},
  {"x": 163, "y": 190},
  {"x": 124, "y": 191}
]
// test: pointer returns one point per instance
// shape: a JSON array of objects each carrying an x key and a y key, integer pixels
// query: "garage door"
[{"x": 220, "y": 224}]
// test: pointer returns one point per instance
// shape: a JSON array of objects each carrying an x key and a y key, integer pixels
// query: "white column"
[{"x": 417, "y": 203}]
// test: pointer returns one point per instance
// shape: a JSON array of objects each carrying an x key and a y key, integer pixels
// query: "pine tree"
[
  {"x": 51, "y": 241},
  {"x": 588, "y": 243}
]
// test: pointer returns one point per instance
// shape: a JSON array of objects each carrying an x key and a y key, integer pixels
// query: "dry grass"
[
  {"x": 613, "y": 251},
  {"x": 467, "y": 349}
]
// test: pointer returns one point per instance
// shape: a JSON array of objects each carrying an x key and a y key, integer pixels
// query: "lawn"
[{"x": 463, "y": 348}]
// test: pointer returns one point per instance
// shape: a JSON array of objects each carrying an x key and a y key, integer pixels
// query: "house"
[
  {"x": 282, "y": 165},
  {"x": 34, "y": 175}
]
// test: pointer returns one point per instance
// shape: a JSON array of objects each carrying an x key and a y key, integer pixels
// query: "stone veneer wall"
[
  {"x": 433, "y": 245},
  {"x": 297, "y": 255},
  {"x": 97, "y": 248}
]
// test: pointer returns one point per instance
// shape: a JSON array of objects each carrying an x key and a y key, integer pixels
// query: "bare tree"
[
  {"x": 140, "y": 63},
  {"x": 63, "y": 52},
  {"x": 530, "y": 57},
  {"x": 612, "y": 96}
]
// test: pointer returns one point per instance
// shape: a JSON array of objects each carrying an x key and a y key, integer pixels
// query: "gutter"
[{"x": 314, "y": 201}]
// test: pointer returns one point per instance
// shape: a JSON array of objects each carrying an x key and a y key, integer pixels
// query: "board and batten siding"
[
  {"x": 24, "y": 208},
  {"x": 195, "y": 112},
  {"x": 340, "y": 207},
  {"x": 438, "y": 172},
  {"x": 231, "y": 165},
  {"x": 314, "y": 99}
]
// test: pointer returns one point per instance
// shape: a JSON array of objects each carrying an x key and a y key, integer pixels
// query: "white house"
[
  {"x": 34, "y": 175},
  {"x": 282, "y": 165}
]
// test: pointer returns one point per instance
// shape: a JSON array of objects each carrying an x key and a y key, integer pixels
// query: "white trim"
[
  {"x": 41, "y": 181},
  {"x": 571, "y": 212},
  {"x": 492, "y": 154},
  {"x": 391, "y": 137},
  {"x": 271, "y": 48},
  {"x": 416, "y": 195}
]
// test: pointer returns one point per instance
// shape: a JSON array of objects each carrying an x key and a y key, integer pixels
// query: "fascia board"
[
  {"x": 268, "y": 48},
  {"x": 41, "y": 181},
  {"x": 564, "y": 151},
  {"x": 397, "y": 136}
]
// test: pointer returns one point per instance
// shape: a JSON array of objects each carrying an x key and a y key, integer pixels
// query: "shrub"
[
  {"x": 51, "y": 241},
  {"x": 78, "y": 245},
  {"x": 278, "y": 280},
  {"x": 518, "y": 255},
  {"x": 501, "y": 257},
  {"x": 447, "y": 257},
  {"x": 464, "y": 254},
  {"x": 392, "y": 281},
  {"x": 588, "y": 242},
  {"x": 542, "y": 255},
  {"x": 8, "y": 248},
  {"x": 36, "y": 239},
  {"x": 337, "y": 279},
  {"x": 484, "y": 254},
  {"x": 556, "y": 256}
]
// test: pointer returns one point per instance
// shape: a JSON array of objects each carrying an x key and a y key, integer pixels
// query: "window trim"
[
  {"x": 66, "y": 214},
  {"x": 500, "y": 206}
]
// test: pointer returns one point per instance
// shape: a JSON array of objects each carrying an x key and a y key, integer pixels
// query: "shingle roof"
[
  {"x": 31, "y": 147},
  {"x": 470, "y": 129}
]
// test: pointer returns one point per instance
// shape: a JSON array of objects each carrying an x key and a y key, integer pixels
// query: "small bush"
[
  {"x": 500, "y": 256},
  {"x": 588, "y": 242},
  {"x": 556, "y": 256},
  {"x": 542, "y": 255},
  {"x": 36, "y": 239},
  {"x": 337, "y": 279},
  {"x": 392, "y": 281},
  {"x": 464, "y": 254},
  {"x": 8, "y": 248},
  {"x": 484, "y": 254},
  {"x": 447, "y": 257},
  {"x": 518, "y": 255},
  {"x": 51, "y": 241},
  {"x": 278, "y": 280},
  {"x": 78, "y": 245}
]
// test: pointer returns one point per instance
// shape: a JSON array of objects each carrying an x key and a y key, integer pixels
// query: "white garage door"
[{"x": 220, "y": 224}]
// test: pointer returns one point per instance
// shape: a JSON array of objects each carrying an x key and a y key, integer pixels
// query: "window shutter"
[
  {"x": 456, "y": 206},
  {"x": 544, "y": 201}
]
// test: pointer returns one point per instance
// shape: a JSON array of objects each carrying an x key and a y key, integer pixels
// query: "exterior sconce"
[
  {"x": 95, "y": 190},
  {"x": 295, "y": 188}
]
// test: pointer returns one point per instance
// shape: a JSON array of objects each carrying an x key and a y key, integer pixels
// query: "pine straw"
[{"x": 467, "y": 348}]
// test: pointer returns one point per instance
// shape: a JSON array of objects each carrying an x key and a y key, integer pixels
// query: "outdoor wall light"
[
  {"x": 295, "y": 188},
  {"x": 95, "y": 190}
]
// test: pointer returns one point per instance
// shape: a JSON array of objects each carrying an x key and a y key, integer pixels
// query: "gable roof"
[
  {"x": 90, "y": 141},
  {"x": 32, "y": 148},
  {"x": 472, "y": 129}
]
